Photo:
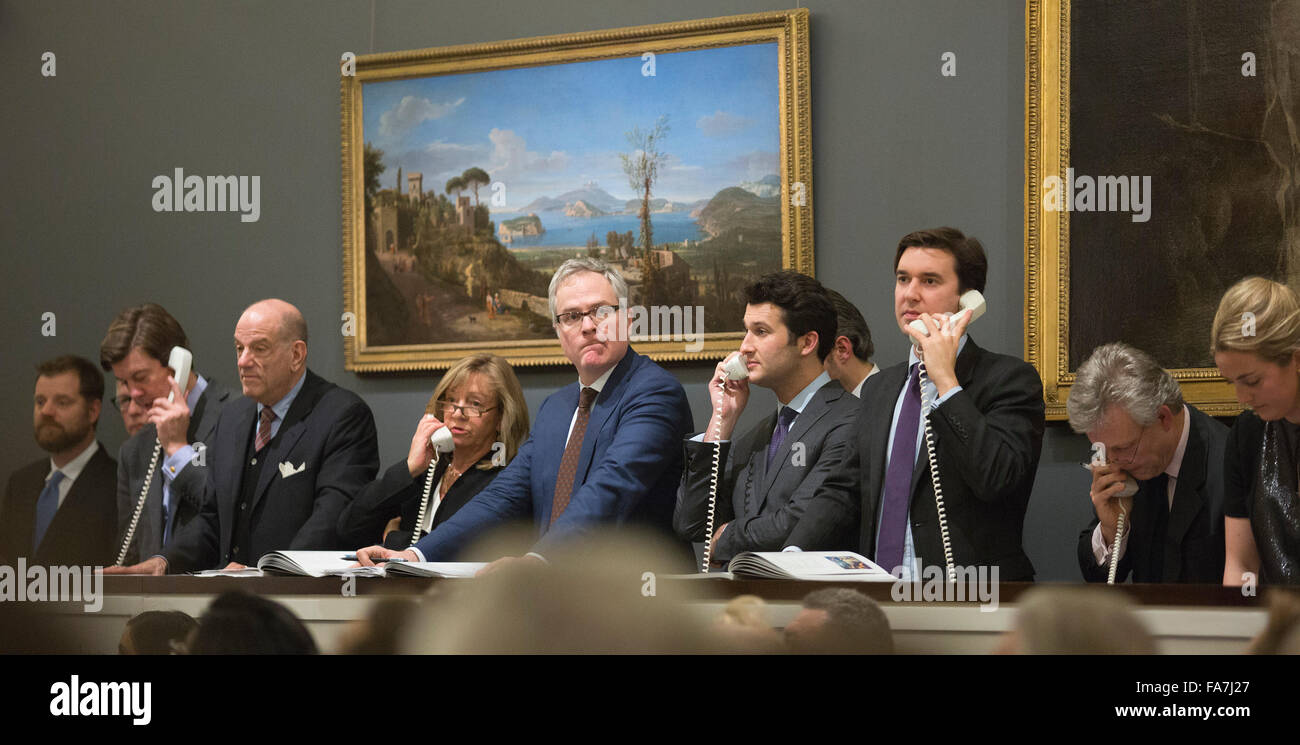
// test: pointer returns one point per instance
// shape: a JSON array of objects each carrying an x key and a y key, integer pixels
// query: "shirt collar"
[
  {"x": 857, "y": 389},
  {"x": 281, "y": 407},
  {"x": 200, "y": 385},
  {"x": 598, "y": 383},
  {"x": 73, "y": 469},
  {"x": 912, "y": 359},
  {"x": 1176, "y": 463},
  {"x": 802, "y": 398}
]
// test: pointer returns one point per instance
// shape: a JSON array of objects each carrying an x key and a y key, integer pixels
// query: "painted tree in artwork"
[
  {"x": 473, "y": 178},
  {"x": 372, "y": 166},
  {"x": 455, "y": 185},
  {"x": 642, "y": 168}
]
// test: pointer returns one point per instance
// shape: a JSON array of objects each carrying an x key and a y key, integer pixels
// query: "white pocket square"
[{"x": 287, "y": 469}]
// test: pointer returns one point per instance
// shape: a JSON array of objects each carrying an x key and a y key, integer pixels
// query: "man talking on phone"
[
  {"x": 986, "y": 421},
  {"x": 791, "y": 467},
  {"x": 1173, "y": 528},
  {"x": 136, "y": 348}
]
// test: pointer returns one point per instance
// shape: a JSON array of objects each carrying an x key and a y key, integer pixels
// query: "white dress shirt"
[{"x": 72, "y": 470}]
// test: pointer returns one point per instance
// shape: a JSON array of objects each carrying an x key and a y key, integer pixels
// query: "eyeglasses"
[
  {"x": 574, "y": 317},
  {"x": 1136, "y": 448},
  {"x": 122, "y": 402},
  {"x": 472, "y": 411}
]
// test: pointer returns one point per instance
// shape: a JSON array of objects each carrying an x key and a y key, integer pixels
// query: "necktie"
[
  {"x": 898, "y": 478},
  {"x": 569, "y": 463},
  {"x": 778, "y": 435},
  {"x": 46, "y": 505},
  {"x": 264, "y": 429}
]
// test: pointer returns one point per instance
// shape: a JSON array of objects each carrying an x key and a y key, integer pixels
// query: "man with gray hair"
[
  {"x": 603, "y": 450},
  {"x": 1174, "y": 523}
]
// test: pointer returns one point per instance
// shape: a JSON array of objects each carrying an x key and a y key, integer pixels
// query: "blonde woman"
[
  {"x": 1256, "y": 346},
  {"x": 480, "y": 401}
]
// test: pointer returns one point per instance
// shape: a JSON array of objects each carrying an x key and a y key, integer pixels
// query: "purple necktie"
[
  {"x": 778, "y": 435},
  {"x": 898, "y": 478}
]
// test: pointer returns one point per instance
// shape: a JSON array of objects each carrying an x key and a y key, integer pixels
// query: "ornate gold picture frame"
[
  {"x": 1160, "y": 117},
  {"x": 470, "y": 172}
]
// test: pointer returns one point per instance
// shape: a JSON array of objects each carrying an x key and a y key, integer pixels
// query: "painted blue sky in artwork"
[{"x": 544, "y": 131}]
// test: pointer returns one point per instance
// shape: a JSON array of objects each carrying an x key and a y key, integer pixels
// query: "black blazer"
[
  {"x": 133, "y": 464},
  {"x": 83, "y": 530},
  {"x": 362, "y": 522},
  {"x": 328, "y": 432},
  {"x": 766, "y": 508},
  {"x": 988, "y": 439},
  {"x": 1193, "y": 547}
]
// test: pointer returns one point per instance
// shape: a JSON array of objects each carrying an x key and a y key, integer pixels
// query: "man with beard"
[{"x": 62, "y": 510}]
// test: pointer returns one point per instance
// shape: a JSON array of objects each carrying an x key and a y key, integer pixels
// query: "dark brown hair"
[
  {"x": 92, "y": 380},
  {"x": 804, "y": 305},
  {"x": 147, "y": 326},
  {"x": 967, "y": 252}
]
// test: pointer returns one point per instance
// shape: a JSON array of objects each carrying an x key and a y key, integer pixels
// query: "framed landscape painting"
[
  {"x": 678, "y": 153},
  {"x": 1160, "y": 168}
]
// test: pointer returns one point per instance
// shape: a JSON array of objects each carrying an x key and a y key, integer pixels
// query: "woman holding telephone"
[
  {"x": 1256, "y": 344},
  {"x": 480, "y": 404}
]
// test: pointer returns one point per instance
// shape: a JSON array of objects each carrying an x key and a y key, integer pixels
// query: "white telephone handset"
[
  {"x": 442, "y": 443},
  {"x": 441, "y": 440},
  {"x": 734, "y": 367},
  {"x": 180, "y": 360},
  {"x": 1130, "y": 488},
  {"x": 971, "y": 302}
]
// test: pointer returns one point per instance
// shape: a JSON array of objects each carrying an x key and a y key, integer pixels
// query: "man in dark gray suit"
[
  {"x": 1173, "y": 528},
  {"x": 789, "y": 472},
  {"x": 136, "y": 349}
]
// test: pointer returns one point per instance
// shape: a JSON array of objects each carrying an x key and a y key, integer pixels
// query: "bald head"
[
  {"x": 283, "y": 315},
  {"x": 271, "y": 344}
]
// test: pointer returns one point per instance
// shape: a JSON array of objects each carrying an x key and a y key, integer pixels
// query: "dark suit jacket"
[
  {"x": 628, "y": 469},
  {"x": 133, "y": 464},
  {"x": 1193, "y": 547},
  {"x": 328, "y": 431},
  {"x": 83, "y": 530},
  {"x": 988, "y": 439},
  {"x": 362, "y": 522},
  {"x": 764, "y": 507}
]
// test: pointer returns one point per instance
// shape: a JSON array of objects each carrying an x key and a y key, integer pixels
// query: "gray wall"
[{"x": 252, "y": 89}]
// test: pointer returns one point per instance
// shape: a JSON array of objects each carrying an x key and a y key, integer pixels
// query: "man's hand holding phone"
[
  {"x": 729, "y": 398},
  {"x": 1107, "y": 482}
]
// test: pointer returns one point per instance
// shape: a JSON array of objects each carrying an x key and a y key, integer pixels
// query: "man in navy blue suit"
[{"x": 603, "y": 451}]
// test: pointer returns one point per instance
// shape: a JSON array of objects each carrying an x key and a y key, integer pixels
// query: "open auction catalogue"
[
  {"x": 340, "y": 564},
  {"x": 827, "y": 566}
]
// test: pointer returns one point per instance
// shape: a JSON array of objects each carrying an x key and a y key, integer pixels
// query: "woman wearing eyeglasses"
[
  {"x": 479, "y": 400},
  {"x": 1256, "y": 345}
]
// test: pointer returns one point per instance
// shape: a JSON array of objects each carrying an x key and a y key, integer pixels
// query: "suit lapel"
[
  {"x": 281, "y": 446},
  {"x": 817, "y": 407},
  {"x": 1188, "y": 498},
  {"x": 755, "y": 464},
  {"x": 206, "y": 412},
  {"x": 604, "y": 406},
  {"x": 965, "y": 369}
]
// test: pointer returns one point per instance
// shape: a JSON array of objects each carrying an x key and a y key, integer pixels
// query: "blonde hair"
[
  {"x": 513, "y": 429},
  {"x": 1258, "y": 316}
]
